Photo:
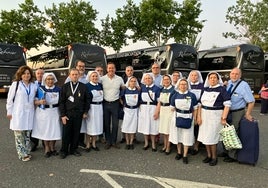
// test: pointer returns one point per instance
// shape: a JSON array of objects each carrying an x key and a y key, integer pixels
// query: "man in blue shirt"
[{"x": 241, "y": 97}]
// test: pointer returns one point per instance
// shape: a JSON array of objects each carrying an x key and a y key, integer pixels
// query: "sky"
[{"x": 214, "y": 12}]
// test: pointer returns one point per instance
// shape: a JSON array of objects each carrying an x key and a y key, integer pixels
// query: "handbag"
[
  {"x": 184, "y": 123},
  {"x": 264, "y": 94},
  {"x": 230, "y": 138}
]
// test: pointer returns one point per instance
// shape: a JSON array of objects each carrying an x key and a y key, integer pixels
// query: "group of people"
[{"x": 185, "y": 111}]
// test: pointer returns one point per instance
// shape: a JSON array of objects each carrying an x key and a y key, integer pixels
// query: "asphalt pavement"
[{"x": 126, "y": 168}]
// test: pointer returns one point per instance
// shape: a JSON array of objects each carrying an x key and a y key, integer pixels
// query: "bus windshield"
[
  {"x": 11, "y": 58},
  {"x": 60, "y": 61},
  {"x": 170, "y": 57},
  {"x": 248, "y": 58}
]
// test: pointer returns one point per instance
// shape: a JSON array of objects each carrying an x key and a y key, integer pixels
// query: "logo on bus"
[{"x": 7, "y": 52}]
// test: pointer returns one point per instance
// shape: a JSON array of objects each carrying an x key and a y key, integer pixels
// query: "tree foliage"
[
  {"x": 251, "y": 22},
  {"x": 25, "y": 26},
  {"x": 72, "y": 22},
  {"x": 157, "y": 21}
]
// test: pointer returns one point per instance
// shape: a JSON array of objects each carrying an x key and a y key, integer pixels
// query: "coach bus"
[
  {"x": 61, "y": 60},
  {"x": 171, "y": 57},
  {"x": 11, "y": 58},
  {"x": 249, "y": 58}
]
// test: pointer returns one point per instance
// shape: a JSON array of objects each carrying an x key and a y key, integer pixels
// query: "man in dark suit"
[{"x": 74, "y": 104}]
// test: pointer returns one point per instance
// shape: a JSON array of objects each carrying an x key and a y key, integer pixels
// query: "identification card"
[{"x": 71, "y": 98}]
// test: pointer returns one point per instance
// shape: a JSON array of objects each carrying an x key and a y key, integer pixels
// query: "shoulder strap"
[
  {"x": 235, "y": 87},
  {"x": 17, "y": 85}
]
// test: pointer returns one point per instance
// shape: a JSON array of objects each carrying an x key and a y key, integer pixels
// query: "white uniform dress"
[
  {"x": 211, "y": 119},
  {"x": 147, "y": 125},
  {"x": 130, "y": 120},
  {"x": 47, "y": 120},
  {"x": 181, "y": 135},
  {"x": 94, "y": 121},
  {"x": 165, "y": 114},
  {"x": 22, "y": 109}
]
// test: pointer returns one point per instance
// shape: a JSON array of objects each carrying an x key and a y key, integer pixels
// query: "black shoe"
[
  {"x": 207, "y": 160},
  {"x": 47, "y": 154},
  {"x": 167, "y": 152},
  {"x": 185, "y": 160},
  {"x": 162, "y": 150},
  {"x": 127, "y": 147},
  {"x": 76, "y": 153},
  {"x": 95, "y": 148},
  {"x": 222, "y": 154},
  {"x": 145, "y": 147},
  {"x": 116, "y": 146},
  {"x": 87, "y": 150},
  {"x": 194, "y": 152},
  {"x": 34, "y": 148},
  {"x": 63, "y": 155},
  {"x": 55, "y": 153},
  {"x": 178, "y": 156},
  {"x": 154, "y": 150},
  {"x": 229, "y": 160},
  {"x": 213, "y": 162},
  {"x": 131, "y": 146},
  {"x": 107, "y": 146},
  {"x": 123, "y": 140},
  {"x": 82, "y": 145}
]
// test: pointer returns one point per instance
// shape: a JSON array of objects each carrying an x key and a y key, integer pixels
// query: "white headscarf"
[
  {"x": 148, "y": 73},
  {"x": 183, "y": 79},
  {"x": 219, "y": 77},
  {"x": 200, "y": 79},
  {"x": 161, "y": 83},
  {"x": 89, "y": 74},
  {"x": 46, "y": 75},
  {"x": 127, "y": 83}
]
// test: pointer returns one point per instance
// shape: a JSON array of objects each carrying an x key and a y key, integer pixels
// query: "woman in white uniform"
[
  {"x": 165, "y": 114},
  {"x": 94, "y": 121},
  {"x": 20, "y": 110},
  {"x": 130, "y": 97},
  {"x": 185, "y": 106},
  {"x": 148, "y": 123},
  {"x": 215, "y": 104},
  {"x": 47, "y": 118}
]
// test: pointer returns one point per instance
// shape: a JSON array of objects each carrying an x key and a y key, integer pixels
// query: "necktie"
[{"x": 230, "y": 89}]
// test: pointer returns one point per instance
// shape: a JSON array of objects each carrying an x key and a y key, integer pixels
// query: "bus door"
[{"x": 11, "y": 58}]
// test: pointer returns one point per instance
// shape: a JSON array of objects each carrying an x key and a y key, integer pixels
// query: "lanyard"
[
  {"x": 27, "y": 89},
  {"x": 74, "y": 89}
]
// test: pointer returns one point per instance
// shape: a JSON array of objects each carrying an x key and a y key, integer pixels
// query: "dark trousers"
[
  {"x": 110, "y": 113},
  {"x": 70, "y": 134},
  {"x": 35, "y": 141},
  {"x": 264, "y": 106}
]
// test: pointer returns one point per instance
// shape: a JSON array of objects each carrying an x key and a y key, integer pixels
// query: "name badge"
[{"x": 71, "y": 98}]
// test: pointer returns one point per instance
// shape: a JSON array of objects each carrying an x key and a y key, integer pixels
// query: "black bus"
[
  {"x": 11, "y": 58},
  {"x": 171, "y": 57},
  {"x": 60, "y": 61},
  {"x": 249, "y": 58}
]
